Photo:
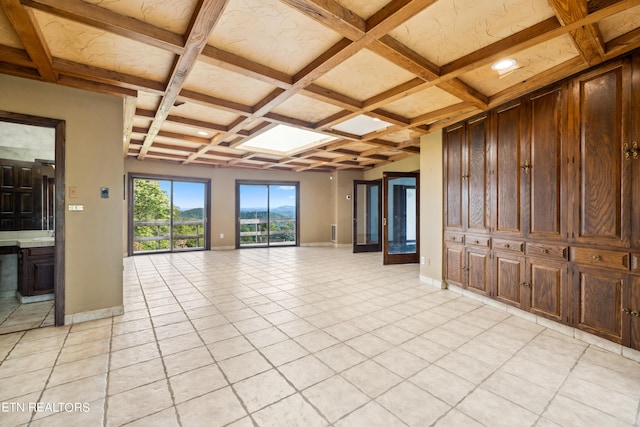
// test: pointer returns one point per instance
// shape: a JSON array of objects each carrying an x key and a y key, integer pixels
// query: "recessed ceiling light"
[
  {"x": 203, "y": 133},
  {"x": 504, "y": 64}
]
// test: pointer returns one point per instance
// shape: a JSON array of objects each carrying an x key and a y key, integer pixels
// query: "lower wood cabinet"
[
  {"x": 36, "y": 272},
  {"x": 468, "y": 268}
]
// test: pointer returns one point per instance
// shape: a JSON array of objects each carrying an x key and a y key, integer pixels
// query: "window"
[
  {"x": 267, "y": 214},
  {"x": 167, "y": 214}
]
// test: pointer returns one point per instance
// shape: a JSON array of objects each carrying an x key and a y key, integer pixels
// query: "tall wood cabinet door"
[
  {"x": 507, "y": 152},
  {"x": 454, "y": 142},
  {"x": 596, "y": 297},
  {"x": 599, "y": 116},
  {"x": 634, "y": 129},
  {"x": 477, "y": 204},
  {"x": 548, "y": 285},
  {"x": 509, "y": 271},
  {"x": 454, "y": 265},
  {"x": 544, "y": 178},
  {"x": 631, "y": 314},
  {"x": 478, "y": 269}
]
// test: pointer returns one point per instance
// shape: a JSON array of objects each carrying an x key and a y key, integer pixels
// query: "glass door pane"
[
  {"x": 189, "y": 224},
  {"x": 253, "y": 215},
  {"x": 151, "y": 215},
  {"x": 366, "y": 220},
  {"x": 401, "y": 215},
  {"x": 282, "y": 215}
]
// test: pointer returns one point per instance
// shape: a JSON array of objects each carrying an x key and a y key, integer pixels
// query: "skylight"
[
  {"x": 361, "y": 125},
  {"x": 285, "y": 140}
]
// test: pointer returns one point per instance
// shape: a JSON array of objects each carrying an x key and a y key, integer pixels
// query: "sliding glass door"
[
  {"x": 267, "y": 214},
  {"x": 167, "y": 214}
]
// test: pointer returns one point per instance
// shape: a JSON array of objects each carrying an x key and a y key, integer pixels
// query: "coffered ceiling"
[{"x": 201, "y": 77}]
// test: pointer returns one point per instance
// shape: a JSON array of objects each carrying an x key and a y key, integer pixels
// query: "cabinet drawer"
[
  {"x": 508, "y": 245},
  {"x": 479, "y": 241},
  {"x": 600, "y": 258},
  {"x": 547, "y": 251},
  {"x": 40, "y": 251},
  {"x": 454, "y": 237}
]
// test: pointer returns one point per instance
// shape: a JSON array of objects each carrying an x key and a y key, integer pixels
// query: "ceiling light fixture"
[
  {"x": 203, "y": 133},
  {"x": 503, "y": 64}
]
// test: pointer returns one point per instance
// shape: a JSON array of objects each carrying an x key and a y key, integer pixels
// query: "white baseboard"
[
  {"x": 87, "y": 316},
  {"x": 38, "y": 298},
  {"x": 317, "y": 244},
  {"x": 433, "y": 282}
]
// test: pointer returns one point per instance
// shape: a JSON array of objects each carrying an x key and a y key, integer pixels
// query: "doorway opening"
[
  {"x": 31, "y": 222},
  {"x": 367, "y": 222},
  {"x": 401, "y": 217}
]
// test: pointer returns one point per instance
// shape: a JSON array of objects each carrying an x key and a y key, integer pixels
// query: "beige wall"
[
  {"x": 94, "y": 123},
  {"x": 317, "y": 200},
  {"x": 410, "y": 164},
  {"x": 431, "y": 205},
  {"x": 344, "y": 206}
]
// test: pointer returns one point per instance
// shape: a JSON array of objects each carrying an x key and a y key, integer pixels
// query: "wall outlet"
[
  {"x": 222, "y": 235},
  {"x": 422, "y": 260}
]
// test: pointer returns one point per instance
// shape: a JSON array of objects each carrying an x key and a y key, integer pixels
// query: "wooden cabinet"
[
  {"x": 542, "y": 197},
  {"x": 466, "y": 167},
  {"x": 509, "y": 278},
  {"x": 17, "y": 198},
  {"x": 547, "y": 285},
  {"x": 597, "y": 301},
  {"x": 36, "y": 271},
  {"x": 528, "y": 178},
  {"x": 599, "y": 111}
]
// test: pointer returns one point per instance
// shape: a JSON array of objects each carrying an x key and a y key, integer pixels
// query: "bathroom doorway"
[{"x": 31, "y": 222}]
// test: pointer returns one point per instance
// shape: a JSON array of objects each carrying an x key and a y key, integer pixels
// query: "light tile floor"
[
  {"x": 15, "y": 317},
  {"x": 306, "y": 337}
]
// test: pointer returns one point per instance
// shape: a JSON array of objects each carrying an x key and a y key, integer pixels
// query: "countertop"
[{"x": 26, "y": 239}]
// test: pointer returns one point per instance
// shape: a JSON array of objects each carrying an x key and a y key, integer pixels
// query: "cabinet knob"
[
  {"x": 631, "y": 151},
  {"x": 596, "y": 257},
  {"x": 507, "y": 245},
  {"x": 626, "y": 310},
  {"x": 453, "y": 238},
  {"x": 544, "y": 251},
  {"x": 635, "y": 313},
  {"x": 465, "y": 268},
  {"x": 525, "y": 167},
  {"x": 476, "y": 242}
]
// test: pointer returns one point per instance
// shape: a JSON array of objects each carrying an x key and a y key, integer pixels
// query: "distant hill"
[
  {"x": 261, "y": 213},
  {"x": 196, "y": 213}
]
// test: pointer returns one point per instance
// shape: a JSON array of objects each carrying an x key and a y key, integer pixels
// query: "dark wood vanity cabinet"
[
  {"x": 36, "y": 268},
  {"x": 561, "y": 174}
]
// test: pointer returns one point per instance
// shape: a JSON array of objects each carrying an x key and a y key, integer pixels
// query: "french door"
[
  {"x": 267, "y": 214},
  {"x": 167, "y": 214},
  {"x": 401, "y": 217},
  {"x": 367, "y": 209}
]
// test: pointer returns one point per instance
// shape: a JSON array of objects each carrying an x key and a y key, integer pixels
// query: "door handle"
[{"x": 384, "y": 221}]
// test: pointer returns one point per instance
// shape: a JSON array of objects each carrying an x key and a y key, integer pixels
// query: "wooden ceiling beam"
[
  {"x": 15, "y": 56},
  {"x": 529, "y": 37},
  {"x": 587, "y": 39},
  {"x": 110, "y": 77},
  {"x": 129, "y": 115},
  {"x": 333, "y": 15},
  {"x": 623, "y": 44},
  {"x": 331, "y": 97},
  {"x": 104, "y": 19},
  {"x": 237, "y": 64},
  {"x": 172, "y": 118},
  {"x": 443, "y": 113},
  {"x": 94, "y": 86},
  {"x": 26, "y": 27}
]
